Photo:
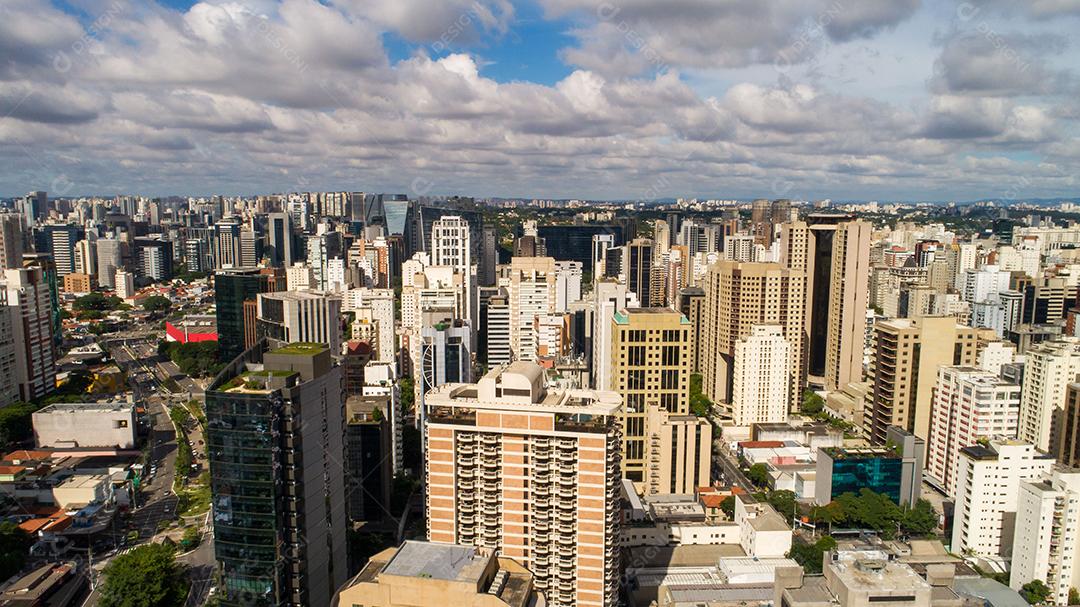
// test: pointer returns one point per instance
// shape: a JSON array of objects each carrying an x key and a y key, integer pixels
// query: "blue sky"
[{"x": 879, "y": 99}]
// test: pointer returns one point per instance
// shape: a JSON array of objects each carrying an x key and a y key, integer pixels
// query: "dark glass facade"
[
  {"x": 575, "y": 243},
  {"x": 880, "y": 475},
  {"x": 231, "y": 289},
  {"x": 242, "y": 447}
]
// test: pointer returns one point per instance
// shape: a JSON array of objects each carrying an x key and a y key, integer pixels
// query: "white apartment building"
[
  {"x": 608, "y": 296},
  {"x": 1051, "y": 366},
  {"x": 532, "y": 289},
  {"x": 451, "y": 247},
  {"x": 985, "y": 283},
  {"x": 987, "y": 488},
  {"x": 968, "y": 404},
  {"x": 762, "y": 381},
  {"x": 125, "y": 284},
  {"x": 567, "y": 284},
  {"x": 1047, "y": 542},
  {"x": 300, "y": 277}
]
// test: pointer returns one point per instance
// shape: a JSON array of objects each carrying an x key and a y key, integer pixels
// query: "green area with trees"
[
  {"x": 148, "y": 576},
  {"x": 700, "y": 405},
  {"x": 198, "y": 359}
]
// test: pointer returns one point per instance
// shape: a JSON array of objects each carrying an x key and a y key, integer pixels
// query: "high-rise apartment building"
[
  {"x": 532, "y": 472},
  {"x": 154, "y": 259},
  {"x": 445, "y": 356},
  {"x": 307, "y": 316},
  {"x": 1068, "y": 453},
  {"x": 692, "y": 306},
  {"x": 274, "y": 437},
  {"x": 833, "y": 251},
  {"x": 532, "y": 288},
  {"x": 109, "y": 258},
  {"x": 678, "y": 452},
  {"x": 9, "y": 351},
  {"x": 969, "y": 405},
  {"x": 124, "y": 284},
  {"x": 29, "y": 306},
  {"x": 451, "y": 246},
  {"x": 11, "y": 241},
  {"x": 761, "y": 384},
  {"x": 1046, "y": 545},
  {"x": 1051, "y": 366},
  {"x": 59, "y": 241},
  {"x": 649, "y": 368},
  {"x": 609, "y": 296},
  {"x": 369, "y": 457},
  {"x": 738, "y": 296},
  {"x": 987, "y": 488},
  {"x": 903, "y": 369}
]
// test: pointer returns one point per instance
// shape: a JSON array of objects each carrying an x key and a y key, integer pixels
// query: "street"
[{"x": 725, "y": 465}]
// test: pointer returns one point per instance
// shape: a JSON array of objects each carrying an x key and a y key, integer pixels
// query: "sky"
[{"x": 595, "y": 99}]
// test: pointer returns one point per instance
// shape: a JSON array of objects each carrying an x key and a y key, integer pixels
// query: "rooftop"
[
  {"x": 86, "y": 407},
  {"x": 300, "y": 348},
  {"x": 437, "y": 561}
]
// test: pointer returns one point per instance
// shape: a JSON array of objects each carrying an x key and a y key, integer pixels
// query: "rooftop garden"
[{"x": 300, "y": 348}]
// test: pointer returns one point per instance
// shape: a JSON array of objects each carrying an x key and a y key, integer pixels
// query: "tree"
[
  {"x": 829, "y": 514},
  {"x": 810, "y": 556},
  {"x": 872, "y": 511},
  {"x": 922, "y": 519},
  {"x": 96, "y": 301},
  {"x": 759, "y": 475},
  {"x": 156, "y": 303},
  {"x": 377, "y": 415},
  {"x": 145, "y": 577},
  {"x": 15, "y": 423},
  {"x": 783, "y": 501},
  {"x": 14, "y": 546},
  {"x": 812, "y": 403},
  {"x": 190, "y": 539},
  {"x": 727, "y": 506},
  {"x": 700, "y": 405},
  {"x": 1074, "y": 596},
  {"x": 1035, "y": 592}
]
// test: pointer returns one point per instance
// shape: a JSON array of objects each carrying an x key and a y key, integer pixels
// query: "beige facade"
[
  {"x": 421, "y": 574},
  {"x": 650, "y": 366},
  {"x": 739, "y": 295},
  {"x": 904, "y": 367},
  {"x": 679, "y": 453},
  {"x": 533, "y": 473},
  {"x": 761, "y": 392}
]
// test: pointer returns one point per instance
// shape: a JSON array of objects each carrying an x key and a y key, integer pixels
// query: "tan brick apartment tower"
[
  {"x": 533, "y": 473},
  {"x": 739, "y": 295}
]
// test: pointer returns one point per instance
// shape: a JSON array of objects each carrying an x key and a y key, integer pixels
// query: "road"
[
  {"x": 726, "y": 464},
  {"x": 156, "y": 502}
]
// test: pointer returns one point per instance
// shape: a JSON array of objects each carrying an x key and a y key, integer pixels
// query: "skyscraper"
[
  {"x": 232, "y": 288},
  {"x": 649, "y": 368},
  {"x": 11, "y": 241},
  {"x": 29, "y": 305},
  {"x": 638, "y": 268},
  {"x": 109, "y": 258},
  {"x": 451, "y": 246},
  {"x": 532, "y": 472},
  {"x": 761, "y": 385},
  {"x": 280, "y": 240},
  {"x": 1050, "y": 368},
  {"x": 987, "y": 489},
  {"x": 59, "y": 241},
  {"x": 274, "y": 439},
  {"x": 738, "y": 296},
  {"x": 1046, "y": 544},
  {"x": 833, "y": 251},
  {"x": 969, "y": 404},
  {"x": 532, "y": 290},
  {"x": 903, "y": 369}
]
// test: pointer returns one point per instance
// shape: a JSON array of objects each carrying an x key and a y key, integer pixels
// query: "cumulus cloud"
[{"x": 257, "y": 95}]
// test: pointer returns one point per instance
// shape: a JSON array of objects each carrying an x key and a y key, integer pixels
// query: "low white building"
[{"x": 69, "y": 425}]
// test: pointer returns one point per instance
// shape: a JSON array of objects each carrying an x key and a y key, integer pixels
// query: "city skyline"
[{"x": 900, "y": 100}]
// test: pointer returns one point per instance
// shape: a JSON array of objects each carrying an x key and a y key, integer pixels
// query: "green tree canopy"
[
  {"x": 1035, "y": 592},
  {"x": 700, "y": 405},
  {"x": 810, "y": 556},
  {"x": 15, "y": 423},
  {"x": 921, "y": 519},
  {"x": 759, "y": 475},
  {"x": 812, "y": 403},
  {"x": 783, "y": 501},
  {"x": 727, "y": 506},
  {"x": 145, "y": 577},
  {"x": 156, "y": 303},
  {"x": 97, "y": 301},
  {"x": 14, "y": 546}
]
